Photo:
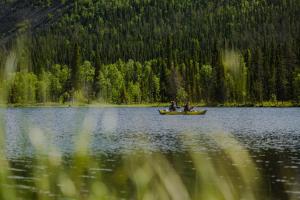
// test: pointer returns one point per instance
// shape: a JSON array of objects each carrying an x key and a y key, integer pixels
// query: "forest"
[{"x": 148, "y": 51}]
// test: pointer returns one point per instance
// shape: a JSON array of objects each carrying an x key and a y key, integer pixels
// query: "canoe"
[{"x": 166, "y": 112}]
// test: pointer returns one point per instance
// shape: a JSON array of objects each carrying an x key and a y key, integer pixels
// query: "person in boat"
[
  {"x": 172, "y": 107},
  {"x": 187, "y": 107}
]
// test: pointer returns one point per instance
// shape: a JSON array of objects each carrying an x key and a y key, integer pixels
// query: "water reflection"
[
  {"x": 240, "y": 153},
  {"x": 123, "y": 129}
]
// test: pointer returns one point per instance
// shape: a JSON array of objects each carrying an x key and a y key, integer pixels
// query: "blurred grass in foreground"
[{"x": 144, "y": 175}]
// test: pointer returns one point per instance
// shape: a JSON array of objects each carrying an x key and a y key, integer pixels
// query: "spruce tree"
[
  {"x": 75, "y": 63},
  {"x": 219, "y": 76}
]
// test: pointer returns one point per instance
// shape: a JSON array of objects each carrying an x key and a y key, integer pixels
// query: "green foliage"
[
  {"x": 181, "y": 95},
  {"x": 206, "y": 82},
  {"x": 78, "y": 96},
  {"x": 297, "y": 87},
  {"x": 155, "y": 88},
  {"x": 86, "y": 77},
  {"x": 75, "y": 71},
  {"x": 23, "y": 89},
  {"x": 43, "y": 87},
  {"x": 60, "y": 75},
  {"x": 235, "y": 77},
  {"x": 4, "y": 88},
  {"x": 134, "y": 93},
  {"x": 86, "y": 73},
  {"x": 116, "y": 81},
  {"x": 160, "y": 47}
]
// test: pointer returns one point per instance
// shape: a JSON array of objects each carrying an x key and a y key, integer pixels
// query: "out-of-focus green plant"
[
  {"x": 146, "y": 175},
  {"x": 6, "y": 192}
]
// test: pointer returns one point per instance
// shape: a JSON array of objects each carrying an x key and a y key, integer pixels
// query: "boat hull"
[{"x": 165, "y": 112}]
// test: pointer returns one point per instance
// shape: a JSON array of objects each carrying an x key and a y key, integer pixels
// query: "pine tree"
[
  {"x": 75, "y": 64},
  {"x": 96, "y": 86},
  {"x": 219, "y": 76},
  {"x": 280, "y": 76},
  {"x": 257, "y": 65}
]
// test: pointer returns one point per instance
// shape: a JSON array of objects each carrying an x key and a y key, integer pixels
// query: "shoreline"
[{"x": 150, "y": 105}]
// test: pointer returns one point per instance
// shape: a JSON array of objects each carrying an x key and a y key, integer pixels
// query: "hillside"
[
  {"x": 157, "y": 50},
  {"x": 16, "y": 14}
]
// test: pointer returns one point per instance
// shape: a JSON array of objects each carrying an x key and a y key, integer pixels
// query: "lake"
[{"x": 269, "y": 138}]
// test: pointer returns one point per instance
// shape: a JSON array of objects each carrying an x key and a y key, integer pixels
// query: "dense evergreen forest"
[{"x": 143, "y": 51}]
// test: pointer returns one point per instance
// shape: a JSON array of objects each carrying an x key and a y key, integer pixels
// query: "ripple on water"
[{"x": 271, "y": 135}]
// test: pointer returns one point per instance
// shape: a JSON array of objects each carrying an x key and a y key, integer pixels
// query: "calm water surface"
[{"x": 271, "y": 135}]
